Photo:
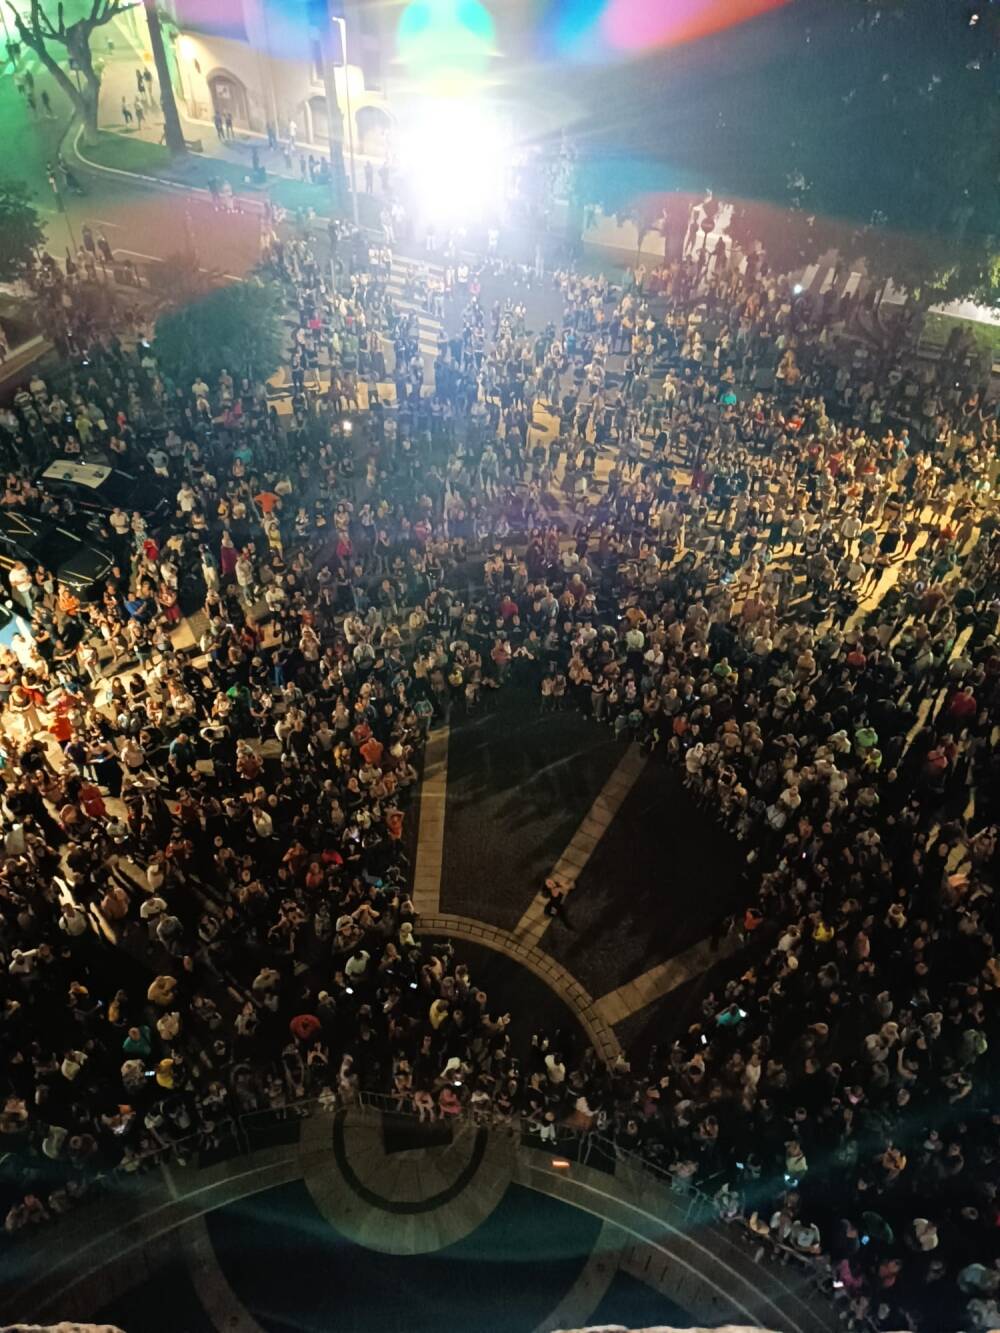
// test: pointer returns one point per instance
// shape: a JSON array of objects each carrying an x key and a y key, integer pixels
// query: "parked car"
[
  {"x": 98, "y": 486},
  {"x": 12, "y": 622},
  {"x": 73, "y": 559}
]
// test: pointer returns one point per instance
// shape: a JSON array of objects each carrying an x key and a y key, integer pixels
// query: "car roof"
[{"x": 91, "y": 475}]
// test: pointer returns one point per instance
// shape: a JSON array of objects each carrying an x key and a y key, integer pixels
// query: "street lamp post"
[
  {"x": 341, "y": 23},
  {"x": 64, "y": 209}
]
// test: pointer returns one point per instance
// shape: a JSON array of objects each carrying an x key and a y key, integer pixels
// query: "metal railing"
[{"x": 243, "y": 1133}]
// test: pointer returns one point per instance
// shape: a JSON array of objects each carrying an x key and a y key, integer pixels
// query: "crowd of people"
[{"x": 691, "y": 507}]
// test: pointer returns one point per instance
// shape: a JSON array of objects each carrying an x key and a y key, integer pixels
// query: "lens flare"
[
  {"x": 595, "y": 30},
  {"x": 457, "y": 156},
  {"x": 445, "y": 43}
]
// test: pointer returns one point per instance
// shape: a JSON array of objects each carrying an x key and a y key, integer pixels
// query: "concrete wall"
[{"x": 622, "y": 238}]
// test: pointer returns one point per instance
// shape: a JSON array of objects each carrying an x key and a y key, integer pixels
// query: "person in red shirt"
[
  {"x": 305, "y": 1027},
  {"x": 371, "y": 751},
  {"x": 61, "y": 728},
  {"x": 962, "y": 706}
]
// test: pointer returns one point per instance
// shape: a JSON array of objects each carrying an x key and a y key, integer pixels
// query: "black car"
[
  {"x": 82, "y": 566},
  {"x": 97, "y": 486}
]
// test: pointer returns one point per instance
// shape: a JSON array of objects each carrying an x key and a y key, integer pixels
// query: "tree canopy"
[
  {"x": 43, "y": 33},
  {"x": 236, "y": 328},
  {"x": 21, "y": 232},
  {"x": 879, "y": 122}
]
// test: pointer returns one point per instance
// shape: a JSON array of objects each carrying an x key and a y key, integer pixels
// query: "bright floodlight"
[{"x": 456, "y": 156}]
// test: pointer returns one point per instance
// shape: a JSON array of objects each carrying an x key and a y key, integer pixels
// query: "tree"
[
  {"x": 881, "y": 117},
  {"x": 181, "y": 279},
  {"x": 647, "y": 218},
  {"x": 38, "y": 30},
  {"x": 791, "y": 238},
  {"x": 931, "y": 268},
  {"x": 235, "y": 328},
  {"x": 21, "y": 233},
  {"x": 651, "y": 197},
  {"x": 172, "y": 132}
]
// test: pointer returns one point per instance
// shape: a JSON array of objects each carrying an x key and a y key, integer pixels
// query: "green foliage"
[
  {"x": 878, "y": 120},
  {"x": 181, "y": 279},
  {"x": 20, "y": 230},
  {"x": 44, "y": 31},
  {"x": 235, "y": 328}
]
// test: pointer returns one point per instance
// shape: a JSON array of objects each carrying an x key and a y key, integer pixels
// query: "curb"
[
  {"x": 164, "y": 184},
  {"x": 128, "y": 175},
  {"x": 546, "y": 968}
]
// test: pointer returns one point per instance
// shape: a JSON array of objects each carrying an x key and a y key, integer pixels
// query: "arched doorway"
[
  {"x": 229, "y": 96},
  {"x": 374, "y": 127},
  {"x": 320, "y": 120}
]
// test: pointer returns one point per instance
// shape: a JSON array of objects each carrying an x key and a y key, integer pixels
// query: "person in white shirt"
[
  {"x": 22, "y": 962},
  {"x": 22, "y": 585},
  {"x": 73, "y": 921},
  {"x": 357, "y": 965},
  {"x": 159, "y": 462},
  {"x": 120, "y": 522}
]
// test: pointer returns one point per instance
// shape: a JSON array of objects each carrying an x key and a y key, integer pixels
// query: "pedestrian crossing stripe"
[{"x": 405, "y": 261}]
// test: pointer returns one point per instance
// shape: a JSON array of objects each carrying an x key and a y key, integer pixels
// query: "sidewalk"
[{"x": 129, "y": 150}]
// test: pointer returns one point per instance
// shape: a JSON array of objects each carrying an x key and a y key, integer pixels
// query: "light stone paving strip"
[
  {"x": 118, "y": 1241},
  {"x": 218, "y": 1299},
  {"x": 563, "y": 983},
  {"x": 590, "y": 1288},
  {"x": 402, "y": 1178},
  {"x": 430, "y": 834},
  {"x": 660, "y": 980},
  {"x": 534, "y": 923}
]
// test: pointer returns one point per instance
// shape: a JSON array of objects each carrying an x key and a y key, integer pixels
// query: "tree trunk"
[
  {"x": 84, "y": 98},
  {"x": 574, "y": 223},
  {"x": 173, "y": 133},
  {"x": 90, "y": 102},
  {"x": 88, "y": 116}
]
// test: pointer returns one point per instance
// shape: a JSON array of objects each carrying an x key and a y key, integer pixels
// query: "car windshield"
[
  {"x": 117, "y": 488},
  {"x": 52, "y": 547}
]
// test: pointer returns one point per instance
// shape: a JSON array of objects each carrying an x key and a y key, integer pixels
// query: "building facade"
[{"x": 262, "y": 62}]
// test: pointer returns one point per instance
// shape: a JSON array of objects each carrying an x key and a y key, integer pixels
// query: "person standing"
[
  {"x": 22, "y": 586},
  {"x": 209, "y": 569}
]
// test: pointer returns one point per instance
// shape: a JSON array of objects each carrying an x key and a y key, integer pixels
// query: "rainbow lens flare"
[
  {"x": 445, "y": 41},
  {"x": 605, "y": 29}
]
